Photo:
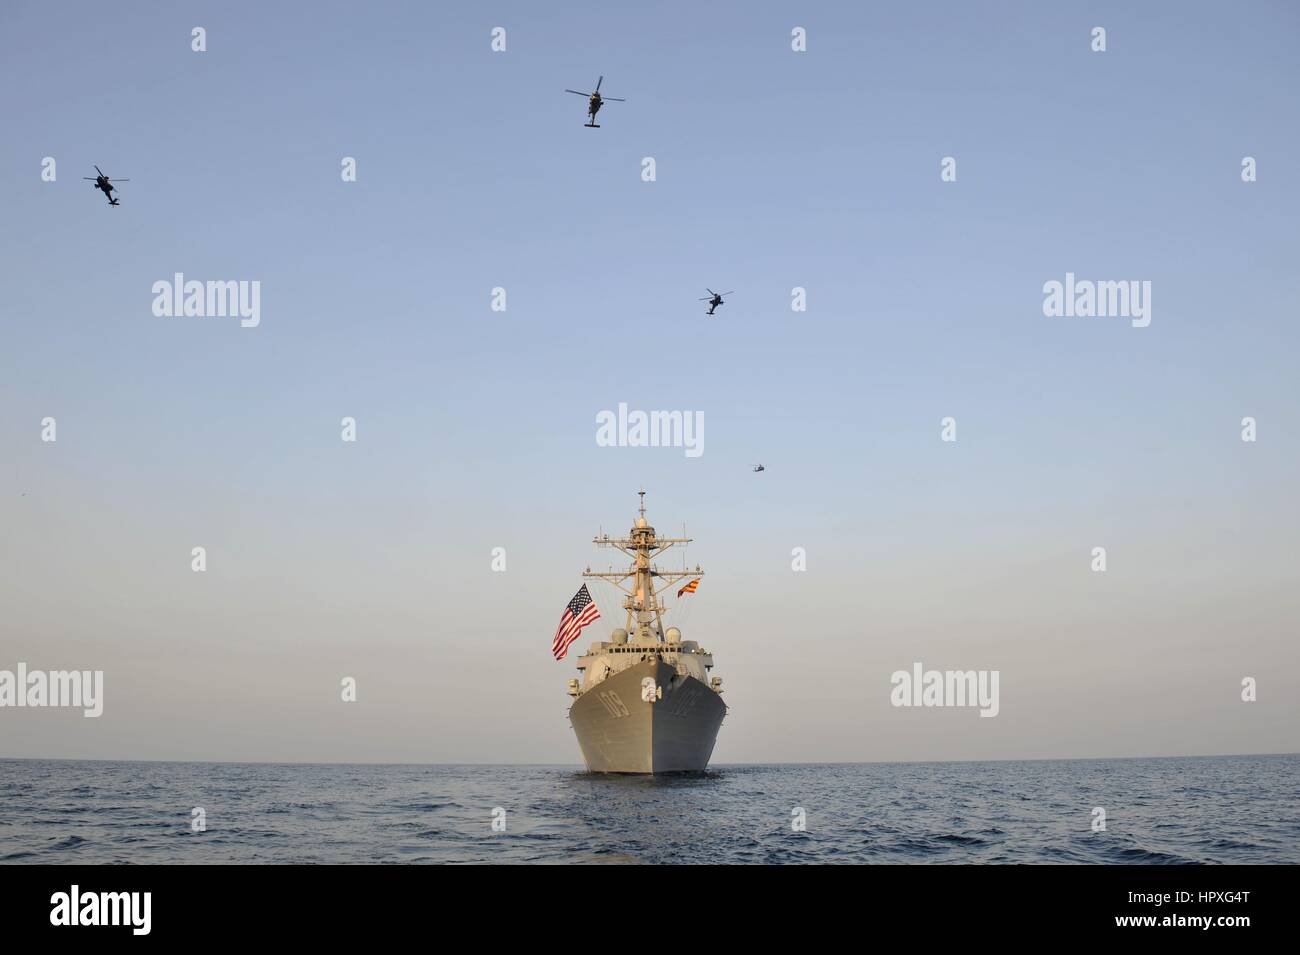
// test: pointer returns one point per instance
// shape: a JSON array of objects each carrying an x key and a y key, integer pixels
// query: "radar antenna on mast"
[{"x": 642, "y": 582}]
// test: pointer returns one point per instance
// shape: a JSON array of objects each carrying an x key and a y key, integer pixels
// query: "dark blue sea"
[{"x": 1238, "y": 809}]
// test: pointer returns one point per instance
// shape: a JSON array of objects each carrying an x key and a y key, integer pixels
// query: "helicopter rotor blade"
[
  {"x": 98, "y": 170},
  {"x": 598, "y": 82},
  {"x": 732, "y": 292},
  {"x": 576, "y": 93},
  {"x": 613, "y": 99},
  {"x": 118, "y": 180}
]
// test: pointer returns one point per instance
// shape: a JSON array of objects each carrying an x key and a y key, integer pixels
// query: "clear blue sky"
[{"x": 476, "y": 428}]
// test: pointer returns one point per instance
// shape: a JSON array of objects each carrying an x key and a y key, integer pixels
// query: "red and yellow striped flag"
[{"x": 690, "y": 588}]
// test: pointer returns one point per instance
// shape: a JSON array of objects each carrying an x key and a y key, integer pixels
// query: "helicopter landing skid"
[{"x": 592, "y": 125}]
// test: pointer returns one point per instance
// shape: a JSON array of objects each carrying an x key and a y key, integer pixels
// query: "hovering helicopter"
[
  {"x": 104, "y": 184},
  {"x": 594, "y": 102},
  {"x": 714, "y": 299},
  {"x": 759, "y": 467}
]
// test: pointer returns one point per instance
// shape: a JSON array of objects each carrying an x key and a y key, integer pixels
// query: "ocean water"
[{"x": 1243, "y": 809}]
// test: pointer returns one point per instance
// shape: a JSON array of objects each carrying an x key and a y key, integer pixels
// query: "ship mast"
[{"x": 642, "y": 603}]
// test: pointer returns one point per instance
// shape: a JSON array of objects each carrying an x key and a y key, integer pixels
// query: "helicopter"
[
  {"x": 759, "y": 467},
  {"x": 104, "y": 184},
  {"x": 595, "y": 101},
  {"x": 714, "y": 299}
]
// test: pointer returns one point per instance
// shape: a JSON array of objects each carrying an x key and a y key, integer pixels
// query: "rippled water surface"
[{"x": 1214, "y": 810}]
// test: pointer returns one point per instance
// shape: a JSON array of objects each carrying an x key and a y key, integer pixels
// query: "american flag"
[{"x": 580, "y": 612}]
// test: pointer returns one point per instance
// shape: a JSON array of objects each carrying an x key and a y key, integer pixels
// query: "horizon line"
[{"x": 712, "y": 766}]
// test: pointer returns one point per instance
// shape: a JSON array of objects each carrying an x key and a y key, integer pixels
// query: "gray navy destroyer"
[{"x": 645, "y": 702}]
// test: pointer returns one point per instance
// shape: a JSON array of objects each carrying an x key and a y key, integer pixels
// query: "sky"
[{"x": 476, "y": 429}]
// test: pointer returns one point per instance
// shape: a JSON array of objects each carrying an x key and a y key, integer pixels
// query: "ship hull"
[{"x": 619, "y": 732}]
